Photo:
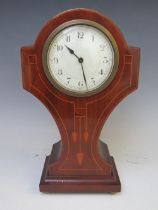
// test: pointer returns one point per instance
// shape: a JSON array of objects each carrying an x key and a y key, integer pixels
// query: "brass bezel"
[{"x": 52, "y": 36}]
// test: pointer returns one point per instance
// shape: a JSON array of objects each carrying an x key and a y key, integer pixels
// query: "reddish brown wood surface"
[{"x": 79, "y": 120}]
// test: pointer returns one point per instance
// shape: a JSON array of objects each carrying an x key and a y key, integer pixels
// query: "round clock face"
[{"x": 80, "y": 58}]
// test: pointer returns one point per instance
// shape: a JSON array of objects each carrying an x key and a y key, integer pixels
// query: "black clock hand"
[
  {"x": 72, "y": 52},
  {"x": 80, "y": 60},
  {"x": 84, "y": 74}
]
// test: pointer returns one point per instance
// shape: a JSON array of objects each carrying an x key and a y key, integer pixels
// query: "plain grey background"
[{"x": 27, "y": 130}]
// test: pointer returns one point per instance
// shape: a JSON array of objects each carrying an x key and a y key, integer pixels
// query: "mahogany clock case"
[{"x": 80, "y": 162}]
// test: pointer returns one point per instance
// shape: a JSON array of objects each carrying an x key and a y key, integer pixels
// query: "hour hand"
[{"x": 70, "y": 50}]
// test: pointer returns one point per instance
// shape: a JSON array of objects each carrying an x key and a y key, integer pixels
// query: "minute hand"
[
  {"x": 84, "y": 75},
  {"x": 80, "y": 60}
]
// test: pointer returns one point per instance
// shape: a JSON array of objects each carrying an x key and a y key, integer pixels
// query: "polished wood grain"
[{"x": 77, "y": 163}]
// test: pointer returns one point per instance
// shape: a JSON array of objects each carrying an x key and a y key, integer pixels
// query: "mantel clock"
[{"x": 80, "y": 67}]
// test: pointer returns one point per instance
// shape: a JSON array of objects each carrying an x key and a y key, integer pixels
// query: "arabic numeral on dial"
[
  {"x": 105, "y": 60},
  {"x": 60, "y": 72},
  {"x": 101, "y": 71},
  {"x": 55, "y": 60},
  {"x": 93, "y": 80},
  {"x": 102, "y": 47},
  {"x": 92, "y": 38},
  {"x": 68, "y": 80},
  {"x": 80, "y": 35},
  {"x": 80, "y": 84},
  {"x": 68, "y": 38},
  {"x": 59, "y": 47}
]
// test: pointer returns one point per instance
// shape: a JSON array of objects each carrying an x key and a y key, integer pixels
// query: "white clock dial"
[{"x": 80, "y": 58}]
